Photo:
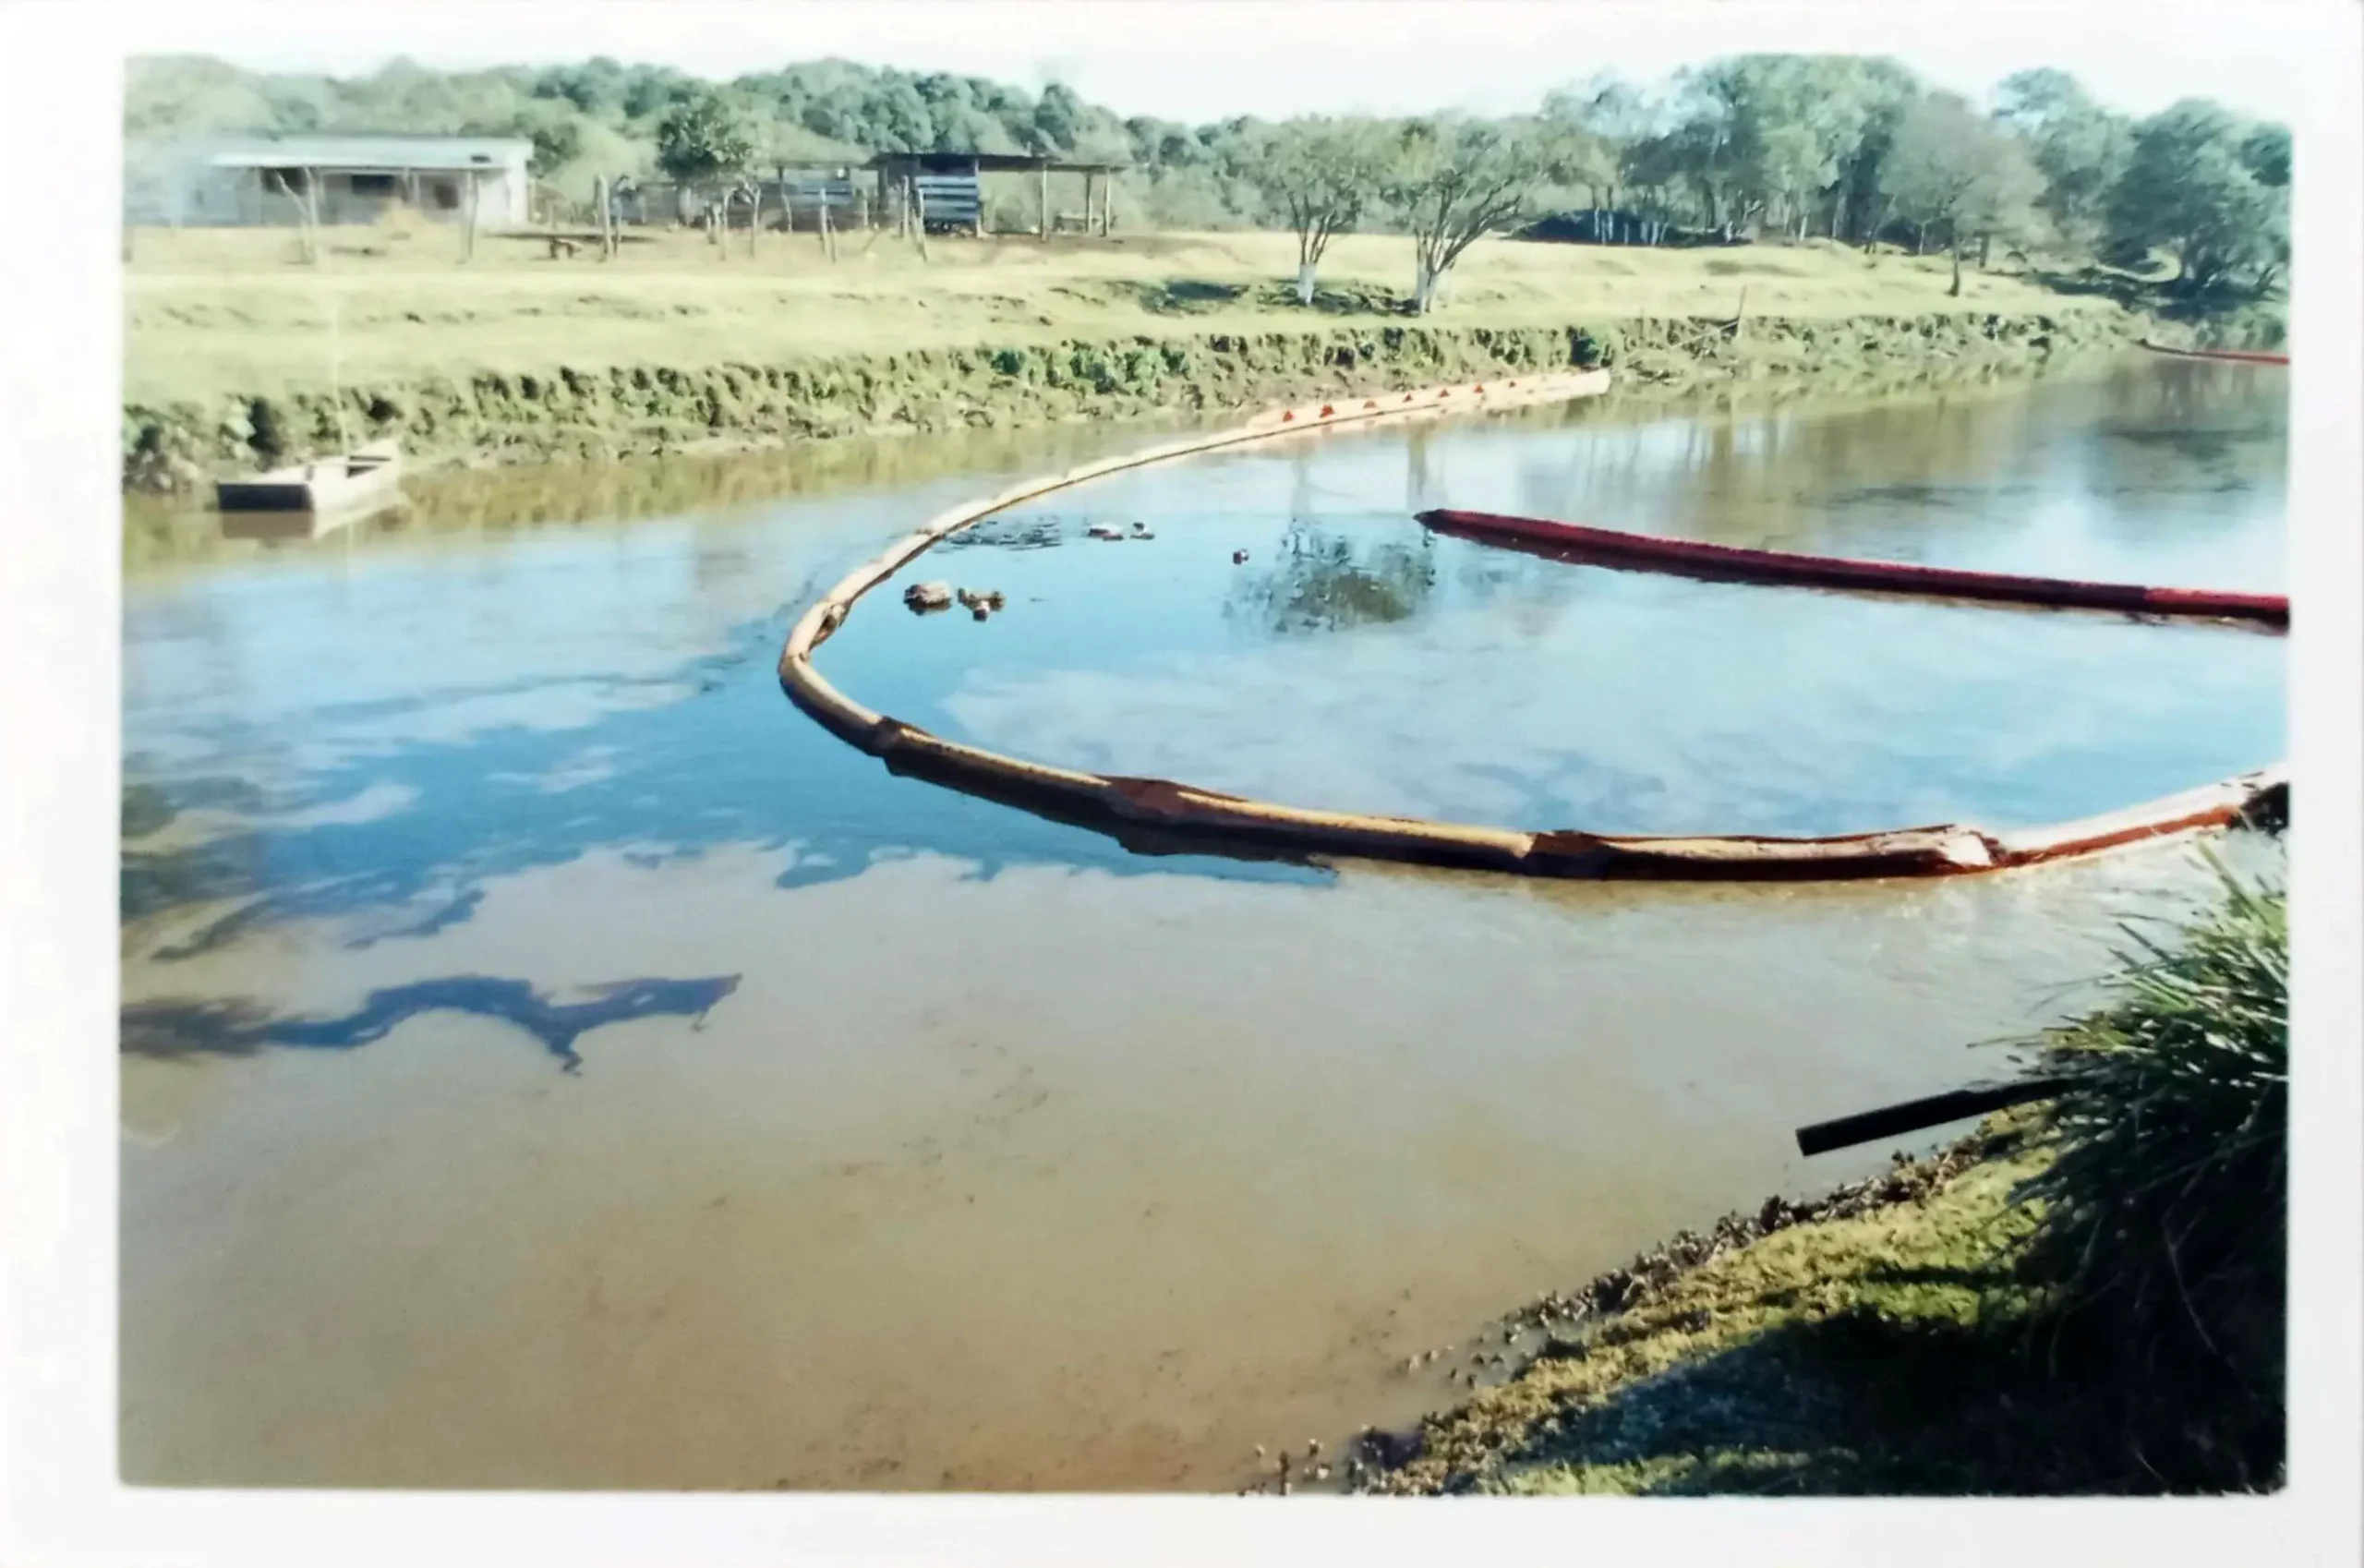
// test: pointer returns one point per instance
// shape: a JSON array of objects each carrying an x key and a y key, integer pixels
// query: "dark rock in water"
[{"x": 1394, "y": 1450}]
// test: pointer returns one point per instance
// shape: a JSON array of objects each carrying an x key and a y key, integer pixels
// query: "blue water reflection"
[{"x": 373, "y": 735}]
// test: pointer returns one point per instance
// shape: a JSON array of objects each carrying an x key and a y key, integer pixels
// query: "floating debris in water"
[
  {"x": 1239, "y": 557},
  {"x": 923, "y": 598},
  {"x": 1104, "y": 531}
]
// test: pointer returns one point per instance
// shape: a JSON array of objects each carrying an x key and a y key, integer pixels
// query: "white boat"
[{"x": 310, "y": 498}]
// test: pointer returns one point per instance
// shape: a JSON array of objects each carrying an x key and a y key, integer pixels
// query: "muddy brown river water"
[{"x": 550, "y": 1061}]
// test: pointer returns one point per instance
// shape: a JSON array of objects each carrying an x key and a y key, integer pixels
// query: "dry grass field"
[{"x": 220, "y": 310}]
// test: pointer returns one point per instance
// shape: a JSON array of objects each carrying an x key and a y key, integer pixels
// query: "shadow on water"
[{"x": 240, "y": 1028}]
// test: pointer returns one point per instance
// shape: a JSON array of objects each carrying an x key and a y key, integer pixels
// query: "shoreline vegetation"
[
  {"x": 237, "y": 360},
  {"x": 1767, "y": 213},
  {"x": 2084, "y": 1296}
]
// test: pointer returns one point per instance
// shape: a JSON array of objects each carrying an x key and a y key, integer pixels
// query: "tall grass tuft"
[{"x": 2163, "y": 1213}]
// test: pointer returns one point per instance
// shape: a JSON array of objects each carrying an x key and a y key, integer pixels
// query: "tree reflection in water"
[
  {"x": 1323, "y": 580},
  {"x": 238, "y": 1027}
]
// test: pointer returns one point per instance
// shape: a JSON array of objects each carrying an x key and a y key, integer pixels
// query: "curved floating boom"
[
  {"x": 2232, "y": 356},
  {"x": 1577, "y": 543},
  {"x": 1161, "y": 817}
]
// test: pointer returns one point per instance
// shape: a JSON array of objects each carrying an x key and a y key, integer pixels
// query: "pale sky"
[{"x": 1210, "y": 59}]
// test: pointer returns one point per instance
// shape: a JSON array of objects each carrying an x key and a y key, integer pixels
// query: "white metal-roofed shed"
[{"x": 239, "y": 181}]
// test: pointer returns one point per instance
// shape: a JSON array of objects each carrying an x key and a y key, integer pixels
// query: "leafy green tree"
[
  {"x": 2266, "y": 150},
  {"x": 1795, "y": 118},
  {"x": 1318, "y": 175},
  {"x": 1455, "y": 180},
  {"x": 1599, "y": 118},
  {"x": 1701, "y": 151},
  {"x": 1859, "y": 209},
  {"x": 655, "y": 92},
  {"x": 556, "y": 136},
  {"x": 1792, "y": 142},
  {"x": 594, "y": 88},
  {"x": 1949, "y": 168},
  {"x": 1877, "y": 90},
  {"x": 1058, "y": 117},
  {"x": 1776, "y": 137},
  {"x": 2192, "y": 188},
  {"x": 2080, "y": 147},
  {"x": 706, "y": 142}
]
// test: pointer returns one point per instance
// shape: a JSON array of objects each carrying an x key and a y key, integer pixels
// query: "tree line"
[{"x": 1852, "y": 149}]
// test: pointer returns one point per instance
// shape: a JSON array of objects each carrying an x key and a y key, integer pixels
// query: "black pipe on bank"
[{"x": 1917, "y": 1115}]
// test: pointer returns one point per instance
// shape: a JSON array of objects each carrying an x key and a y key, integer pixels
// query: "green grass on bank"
[
  {"x": 209, "y": 312},
  {"x": 2093, "y": 1304},
  {"x": 1854, "y": 1355}
]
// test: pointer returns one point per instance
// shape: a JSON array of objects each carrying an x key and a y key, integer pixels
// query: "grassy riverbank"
[
  {"x": 235, "y": 355},
  {"x": 2081, "y": 1297}
]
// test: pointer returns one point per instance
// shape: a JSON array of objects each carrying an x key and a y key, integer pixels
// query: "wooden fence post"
[
  {"x": 1043, "y": 218},
  {"x": 308, "y": 249}
]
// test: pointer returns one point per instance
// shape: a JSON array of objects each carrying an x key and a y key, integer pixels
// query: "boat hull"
[{"x": 311, "y": 499}]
